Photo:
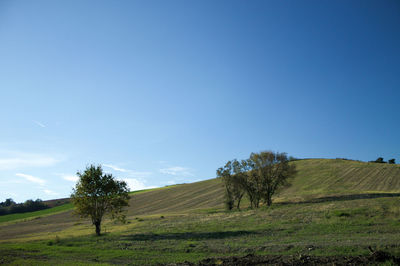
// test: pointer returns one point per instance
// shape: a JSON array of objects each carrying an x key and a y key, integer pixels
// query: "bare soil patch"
[{"x": 372, "y": 259}]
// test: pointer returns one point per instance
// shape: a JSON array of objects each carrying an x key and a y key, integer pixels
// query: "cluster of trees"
[
  {"x": 257, "y": 177},
  {"x": 9, "y": 206},
  {"x": 380, "y": 160}
]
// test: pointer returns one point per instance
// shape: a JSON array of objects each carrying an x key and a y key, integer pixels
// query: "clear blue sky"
[{"x": 163, "y": 92}]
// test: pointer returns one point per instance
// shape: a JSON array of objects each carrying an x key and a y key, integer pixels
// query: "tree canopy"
[
  {"x": 97, "y": 194},
  {"x": 233, "y": 177},
  {"x": 258, "y": 177}
]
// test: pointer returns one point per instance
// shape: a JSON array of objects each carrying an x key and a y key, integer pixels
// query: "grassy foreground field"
[{"x": 188, "y": 223}]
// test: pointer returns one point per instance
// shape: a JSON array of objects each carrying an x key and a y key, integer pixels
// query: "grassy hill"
[
  {"x": 179, "y": 198},
  {"x": 324, "y": 177},
  {"x": 334, "y": 207},
  {"x": 315, "y": 178}
]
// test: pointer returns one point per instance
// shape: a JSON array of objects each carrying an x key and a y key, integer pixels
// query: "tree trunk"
[
  {"x": 238, "y": 203},
  {"x": 269, "y": 201},
  {"x": 97, "y": 224}
]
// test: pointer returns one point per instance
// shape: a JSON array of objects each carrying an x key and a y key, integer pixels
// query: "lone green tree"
[{"x": 97, "y": 194}]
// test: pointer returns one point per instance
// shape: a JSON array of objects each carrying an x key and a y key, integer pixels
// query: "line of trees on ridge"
[
  {"x": 258, "y": 177},
  {"x": 380, "y": 160},
  {"x": 9, "y": 206}
]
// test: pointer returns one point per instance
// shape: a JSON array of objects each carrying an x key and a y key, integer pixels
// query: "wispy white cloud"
[
  {"x": 128, "y": 172},
  {"x": 134, "y": 179},
  {"x": 116, "y": 168},
  {"x": 17, "y": 160},
  {"x": 38, "y": 123},
  {"x": 135, "y": 184},
  {"x": 50, "y": 192},
  {"x": 177, "y": 171},
  {"x": 32, "y": 179}
]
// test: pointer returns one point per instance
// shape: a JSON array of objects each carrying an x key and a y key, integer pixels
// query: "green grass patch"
[{"x": 35, "y": 214}]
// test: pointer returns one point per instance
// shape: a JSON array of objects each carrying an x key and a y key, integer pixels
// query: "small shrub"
[{"x": 341, "y": 214}]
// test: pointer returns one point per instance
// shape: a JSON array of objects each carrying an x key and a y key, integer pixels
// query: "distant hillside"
[
  {"x": 179, "y": 198},
  {"x": 324, "y": 177},
  {"x": 315, "y": 178}
]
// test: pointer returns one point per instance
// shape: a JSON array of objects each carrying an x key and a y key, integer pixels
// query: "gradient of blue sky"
[{"x": 163, "y": 92}]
